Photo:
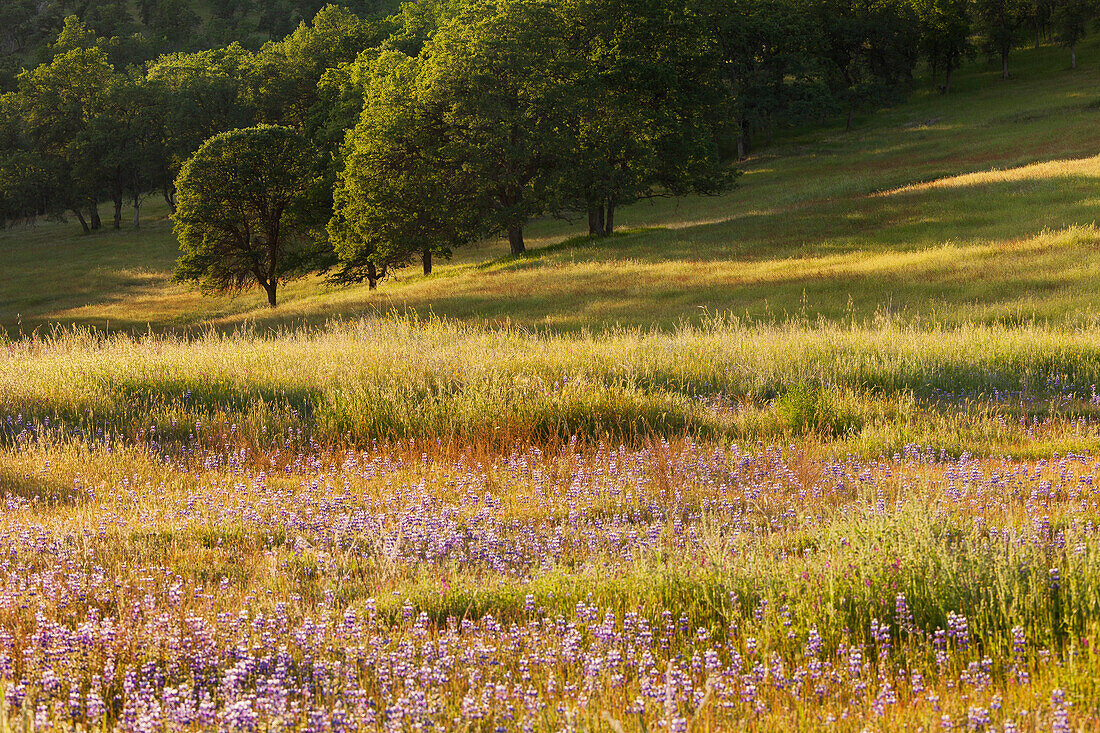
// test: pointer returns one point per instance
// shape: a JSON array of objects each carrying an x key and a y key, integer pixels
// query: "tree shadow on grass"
[{"x": 584, "y": 244}]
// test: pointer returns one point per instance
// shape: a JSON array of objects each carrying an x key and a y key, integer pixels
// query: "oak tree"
[
  {"x": 398, "y": 197},
  {"x": 247, "y": 211}
]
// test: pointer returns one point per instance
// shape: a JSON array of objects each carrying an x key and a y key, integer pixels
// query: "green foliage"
[
  {"x": 647, "y": 102},
  {"x": 247, "y": 212},
  {"x": 201, "y": 95},
  {"x": 945, "y": 30},
  {"x": 771, "y": 50},
  {"x": 399, "y": 196},
  {"x": 418, "y": 20},
  {"x": 1001, "y": 23},
  {"x": 173, "y": 22},
  {"x": 550, "y": 106},
  {"x": 285, "y": 73},
  {"x": 56, "y": 104},
  {"x": 1072, "y": 19},
  {"x": 74, "y": 34},
  {"x": 497, "y": 76},
  {"x": 27, "y": 186},
  {"x": 134, "y": 32},
  {"x": 59, "y": 99},
  {"x": 869, "y": 50},
  {"x": 128, "y": 140}
]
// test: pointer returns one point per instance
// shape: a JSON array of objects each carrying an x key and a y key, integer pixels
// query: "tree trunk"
[
  {"x": 609, "y": 219},
  {"x": 270, "y": 287},
  {"x": 515, "y": 239},
  {"x": 595, "y": 219},
  {"x": 1004, "y": 64},
  {"x": 137, "y": 215},
  {"x": 851, "y": 114},
  {"x": 1073, "y": 56},
  {"x": 169, "y": 198},
  {"x": 372, "y": 276},
  {"x": 83, "y": 221},
  {"x": 427, "y": 256},
  {"x": 118, "y": 213},
  {"x": 97, "y": 223}
]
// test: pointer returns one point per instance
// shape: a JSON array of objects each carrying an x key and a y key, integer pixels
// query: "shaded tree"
[
  {"x": 1038, "y": 17},
  {"x": 1072, "y": 19},
  {"x": 127, "y": 137},
  {"x": 286, "y": 74},
  {"x": 278, "y": 18},
  {"x": 57, "y": 103},
  {"x": 200, "y": 95},
  {"x": 174, "y": 23},
  {"x": 416, "y": 22},
  {"x": 497, "y": 75},
  {"x": 110, "y": 18},
  {"x": 247, "y": 214},
  {"x": 1000, "y": 23},
  {"x": 772, "y": 58},
  {"x": 28, "y": 181},
  {"x": 19, "y": 31},
  {"x": 870, "y": 48},
  {"x": 648, "y": 105},
  {"x": 944, "y": 36},
  {"x": 28, "y": 184}
]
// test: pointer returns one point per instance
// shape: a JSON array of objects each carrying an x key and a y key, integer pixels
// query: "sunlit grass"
[
  {"x": 1088, "y": 168},
  {"x": 994, "y": 389}
]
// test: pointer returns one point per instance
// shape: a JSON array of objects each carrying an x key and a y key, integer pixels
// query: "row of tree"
[
  {"x": 457, "y": 119},
  {"x": 473, "y": 123},
  {"x": 140, "y": 31},
  {"x": 78, "y": 132}
]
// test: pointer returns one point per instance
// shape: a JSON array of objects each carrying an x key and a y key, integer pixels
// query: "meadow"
[
  {"x": 817, "y": 454},
  {"x": 870, "y": 390},
  {"x": 671, "y": 586}
]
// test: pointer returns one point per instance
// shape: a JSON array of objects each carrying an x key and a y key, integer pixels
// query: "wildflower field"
[
  {"x": 817, "y": 454},
  {"x": 725, "y": 527}
]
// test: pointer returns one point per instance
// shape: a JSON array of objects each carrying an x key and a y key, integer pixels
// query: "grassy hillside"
[{"x": 828, "y": 223}]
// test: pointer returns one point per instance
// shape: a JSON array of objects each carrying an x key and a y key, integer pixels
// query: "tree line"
[
  {"x": 359, "y": 144},
  {"x": 137, "y": 31}
]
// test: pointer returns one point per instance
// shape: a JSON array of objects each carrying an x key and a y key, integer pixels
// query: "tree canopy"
[
  {"x": 399, "y": 196},
  {"x": 247, "y": 211},
  {"x": 497, "y": 75}
]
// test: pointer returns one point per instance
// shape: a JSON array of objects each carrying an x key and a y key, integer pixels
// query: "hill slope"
[{"x": 828, "y": 224}]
